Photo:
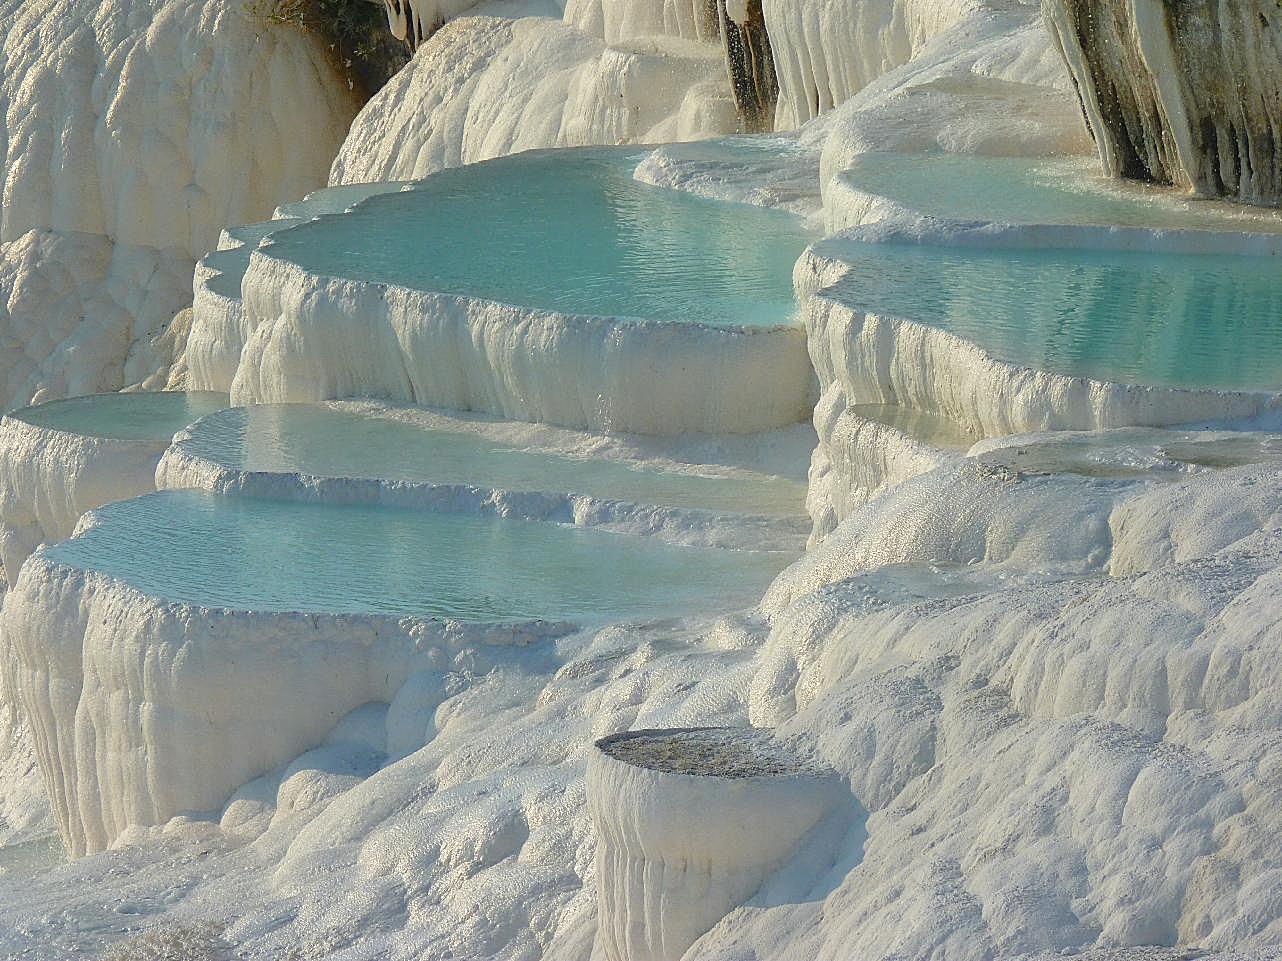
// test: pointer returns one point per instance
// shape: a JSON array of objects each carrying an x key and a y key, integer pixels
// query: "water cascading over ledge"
[{"x": 1180, "y": 92}]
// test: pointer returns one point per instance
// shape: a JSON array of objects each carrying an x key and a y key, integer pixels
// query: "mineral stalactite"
[
  {"x": 751, "y": 64},
  {"x": 1180, "y": 92}
]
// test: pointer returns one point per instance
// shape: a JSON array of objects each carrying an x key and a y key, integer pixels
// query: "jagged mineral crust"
[{"x": 1182, "y": 92}]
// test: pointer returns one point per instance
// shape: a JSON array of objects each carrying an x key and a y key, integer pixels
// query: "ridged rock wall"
[{"x": 1182, "y": 92}]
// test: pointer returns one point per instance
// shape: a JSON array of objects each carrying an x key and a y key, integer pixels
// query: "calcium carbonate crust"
[
  {"x": 485, "y": 87},
  {"x": 122, "y": 697},
  {"x": 114, "y": 176}
]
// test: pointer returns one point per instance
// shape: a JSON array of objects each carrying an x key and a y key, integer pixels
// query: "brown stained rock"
[{"x": 1181, "y": 92}]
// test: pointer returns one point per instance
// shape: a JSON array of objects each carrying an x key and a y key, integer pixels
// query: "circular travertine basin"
[
  {"x": 690, "y": 823},
  {"x": 565, "y": 231},
  {"x": 716, "y": 752},
  {"x": 64, "y": 457}
]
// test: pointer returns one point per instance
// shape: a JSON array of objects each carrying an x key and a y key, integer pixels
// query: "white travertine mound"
[
  {"x": 133, "y": 131},
  {"x": 101, "y": 140},
  {"x": 314, "y": 338},
  {"x": 78, "y": 313},
  {"x": 690, "y": 824},
  {"x": 123, "y": 691},
  {"x": 484, "y": 87},
  {"x": 863, "y": 452},
  {"x": 1206, "y": 515}
]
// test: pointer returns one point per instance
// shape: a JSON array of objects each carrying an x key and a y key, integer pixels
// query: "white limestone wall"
[
  {"x": 142, "y": 709},
  {"x": 859, "y": 459},
  {"x": 484, "y": 87},
  {"x": 130, "y": 133},
  {"x": 103, "y": 139},
  {"x": 80, "y": 314},
  {"x": 49, "y": 478},
  {"x": 314, "y": 338},
  {"x": 826, "y": 51},
  {"x": 618, "y": 21}
]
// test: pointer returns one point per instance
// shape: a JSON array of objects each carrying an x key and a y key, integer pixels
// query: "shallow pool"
[
  {"x": 330, "y": 442},
  {"x": 1037, "y": 190},
  {"x": 261, "y": 555},
  {"x": 1174, "y": 320},
  {"x": 569, "y": 231},
  {"x": 133, "y": 416}
]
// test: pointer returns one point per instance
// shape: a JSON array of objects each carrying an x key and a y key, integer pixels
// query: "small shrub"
[{"x": 354, "y": 31}]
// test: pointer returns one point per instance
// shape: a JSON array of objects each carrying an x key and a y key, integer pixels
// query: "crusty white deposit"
[{"x": 1052, "y": 697}]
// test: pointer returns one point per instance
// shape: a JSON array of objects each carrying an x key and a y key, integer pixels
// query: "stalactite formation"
[
  {"x": 750, "y": 63},
  {"x": 1181, "y": 92}
]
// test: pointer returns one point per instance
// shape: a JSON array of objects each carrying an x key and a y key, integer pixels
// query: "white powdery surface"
[
  {"x": 312, "y": 338},
  {"x": 764, "y": 171},
  {"x": 484, "y": 87},
  {"x": 1054, "y": 765},
  {"x": 133, "y": 131}
]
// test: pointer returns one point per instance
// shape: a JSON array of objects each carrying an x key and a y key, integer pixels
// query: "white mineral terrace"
[
  {"x": 664, "y": 336},
  {"x": 368, "y": 453},
  {"x": 489, "y": 622}
]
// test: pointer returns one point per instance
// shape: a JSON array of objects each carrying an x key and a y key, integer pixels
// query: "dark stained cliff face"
[
  {"x": 1183, "y": 92},
  {"x": 750, "y": 63}
]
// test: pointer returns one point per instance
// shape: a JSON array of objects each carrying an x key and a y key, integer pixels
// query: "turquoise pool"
[
  {"x": 331, "y": 442},
  {"x": 568, "y": 231},
  {"x": 134, "y": 416},
  {"x": 1032, "y": 190},
  {"x": 1160, "y": 319},
  {"x": 262, "y": 555}
]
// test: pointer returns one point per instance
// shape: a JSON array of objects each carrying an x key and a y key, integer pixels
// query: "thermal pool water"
[
  {"x": 1159, "y": 319},
  {"x": 132, "y": 416},
  {"x": 251, "y": 554},
  {"x": 326, "y": 441},
  {"x": 569, "y": 233}
]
